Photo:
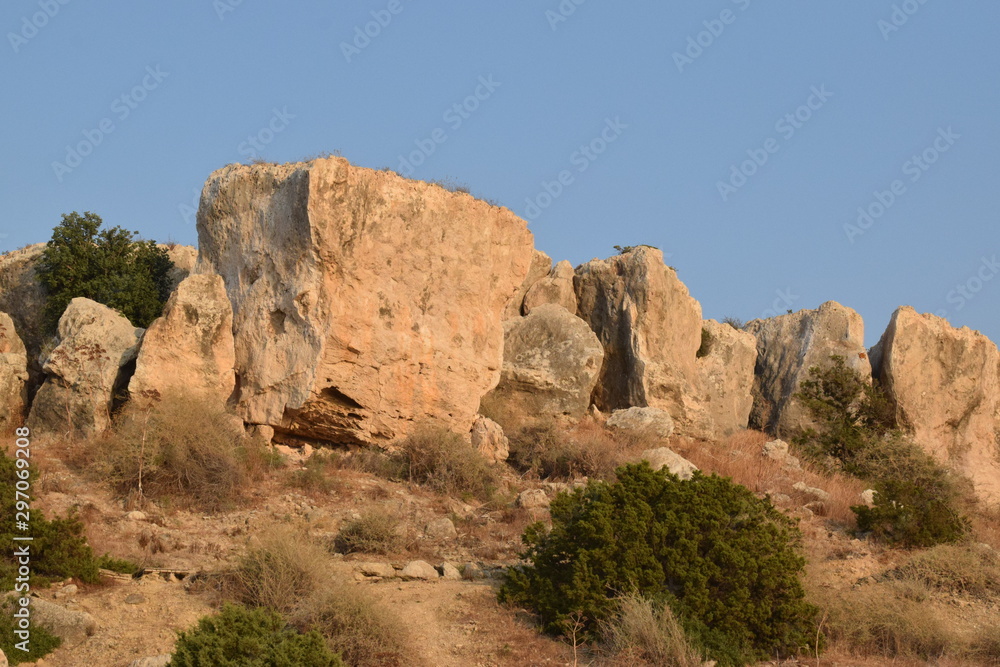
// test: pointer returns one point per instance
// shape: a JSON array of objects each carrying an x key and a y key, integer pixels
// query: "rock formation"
[
  {"x": 557, "y": 288},
  {"x": 363, "y": 303},
  {"x": 189, "y": 349},
  {"x": 727, "y": 375},
  {"x": 550, "y": 367},
  {"x": 541, "y": 265},
  {"x": 650, "y": 327},
  {"x": 945, "y": 385},
  {"x": 648, "y": 422},
  {"x": 787, "y": 347},
  {"x": 488, "y": 438},
  {"x": 22, "y": 297},
  {"x": 88, "y": 366},
  {"x": 13, "y": 375}
]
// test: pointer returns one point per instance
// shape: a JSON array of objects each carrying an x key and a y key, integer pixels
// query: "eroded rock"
[
  {"x": 648, "y": 422},
  {"x": 555, "y": 288},
  {"x": 488, "y": 438},
  {"x": 663, "y": 457},
  {"x": 540, "y": 266},
  {"x": 13, "y": 374},
  {"x": 727, "y": 375}
]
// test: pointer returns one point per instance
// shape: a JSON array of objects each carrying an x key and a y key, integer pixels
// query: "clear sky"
[{"x": 739, "y": 136}]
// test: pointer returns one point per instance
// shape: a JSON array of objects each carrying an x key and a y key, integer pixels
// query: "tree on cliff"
[{"x": 109, "y": 266}]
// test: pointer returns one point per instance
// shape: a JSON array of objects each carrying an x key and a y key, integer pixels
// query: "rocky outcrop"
[
  {"x": 13, "y": 375},
  {"x": 556, "y": 288},
  {"x": 184, "y": 258},
  {"x": 71, "y": 626},
  {"x": 189, "y": 349},
  {"x": 727, "y": 374},
  {"x": 787, "y": 347},
  {"x": 650, "y": 327},
  {"x": 22, "y": 297},
  {"x": 489, "y": 440},
  {"x": 363, "y": 303},
  {"x": 945, "y": 386},
  {"x": 540, "y": 266},
  {"x": 88, "y": 366},
  {"x": 550, "y": 367},
  {"x": 663, "y": 457},
  {"x": 644, "y": 422}
]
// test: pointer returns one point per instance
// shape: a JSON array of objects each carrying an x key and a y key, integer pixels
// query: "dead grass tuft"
[
  {"x": 374, "y": 532},
  {"x": 642, "y": 634}
]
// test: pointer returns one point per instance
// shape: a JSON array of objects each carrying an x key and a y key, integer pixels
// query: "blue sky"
[{"x": 740, "y": 137}]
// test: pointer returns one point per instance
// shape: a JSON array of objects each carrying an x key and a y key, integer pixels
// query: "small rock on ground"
[{"x": 419, "y": 569}]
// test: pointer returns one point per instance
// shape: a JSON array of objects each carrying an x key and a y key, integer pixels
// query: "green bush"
[
  {"x": 726, "y": 562},
  {"x": 109, "y": 266},
  {"x": 42, "y": 641},
  {"x": 240, "y": 637},
  {"x": 59, "y": 548},
  {"x": 917, "y": 501}
]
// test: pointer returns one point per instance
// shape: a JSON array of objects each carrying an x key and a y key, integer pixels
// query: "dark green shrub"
[
  {"x": 240, "y": 637},
  {"x": 59, "y": 548},
  {"x": 726, "y": 562},
  {"x": 109, "y": 266},
  {"x": 917, "y": 501},
  {"x": 41, "y": 644}
]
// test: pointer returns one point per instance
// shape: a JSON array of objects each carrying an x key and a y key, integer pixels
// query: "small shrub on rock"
[
  {"x": 726, "y": 562},
  {"x": 240, "y": 637}
]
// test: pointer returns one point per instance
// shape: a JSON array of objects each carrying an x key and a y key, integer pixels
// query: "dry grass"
[
  {"x": 279, "y": 572},
  {"x": 376, "y": 531},
  {"x": 971, "y": 570},
  {"x": 495, "y": 536},
  {"x": 641, "y": 634},
  {"x": 180, "y": 450},
  {"x": 740, "y": 457}
]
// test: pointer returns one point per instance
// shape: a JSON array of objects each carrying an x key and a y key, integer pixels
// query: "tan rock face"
[
  {"x": 13, "y": 374},
  {"x": 189, "y": 349},
  {"x": 727, "y": 374},
  {"x": 22, "y": 297},
  {"x": 556, "y": 288},
  {"x": 363, "y": 303},
  {"x": 84, "y": 370},
  {"x": 489, "y": 440},
  {"x": 787, "y": 347},
  {"x": 550, "y": 367},
  {"x": 541, "y": 265},
  {"x": 945, "y": 384},
  {"x": 184, "y": 258},
  {"x": 650, "y": 327}
]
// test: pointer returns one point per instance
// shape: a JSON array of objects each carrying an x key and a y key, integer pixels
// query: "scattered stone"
[
  {"x": 662, "y": 457},
  {"x": 364, "y": 304},
  {"x": 818, "y": 494},
  {"x": 135, "y": 598},
  {"x": 944, "y": 384},
  {"x": 551, "y": 360},
  {"x": 488, "y": 438},
  {"x": 449, "y": 571},
  {"x": 472, "y": 572},
  {"x": 72, "y": 626},
  {"x": 262, "y": 432},
  {"x": 816, "y": 507},
  {"x": 189, "y": 349},
  {"x": 777, "y": 450},
  {"x": 642, "y": 421},
  {"x": 533, "y": 498},
  {"x": 787, "y": 347},
  {"x": 85, "y": 370},
  {"x": 136, "y": 515},
  {"x": 154, "y": 661},
  {"x": 419, "y": 569},
  {"x": 383, "y": 570},
  {"x": 441, "y": 529},
  {"x": 868, "y": 497},
  {"x": 66, "y": 591}
]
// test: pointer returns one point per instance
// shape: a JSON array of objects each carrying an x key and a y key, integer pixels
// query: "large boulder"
[
  {"x": 727, "y": 361},
  {"x": 642, "y": 422},
  {"x": 13, "y": 375},
  {"x": 189, "y": 349},
  {"x": 363, "y": 303},
  {"x": 489, "y": 440},
  {"x": 650, "y": 327},
  {"x": 945, "y": 385},
  {"x": 557, "y": 288},
  {"x": 84, "y": 372},
  {"x": 787, "y": 347},
  {"x": 23, "y": 298},
  {"x": 540, "y": 266},
  {"x": 550, "y": 366}
]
